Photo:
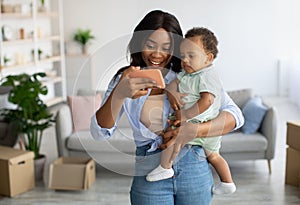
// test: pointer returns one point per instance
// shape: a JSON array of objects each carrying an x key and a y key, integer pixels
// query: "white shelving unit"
[{"x": 32, "y": 40}]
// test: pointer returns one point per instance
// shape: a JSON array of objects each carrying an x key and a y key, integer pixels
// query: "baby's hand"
[
  {"x": 175, "y": 99},
  {"x": 174, "y": 96},
  {"x": 173, "y": 121}
]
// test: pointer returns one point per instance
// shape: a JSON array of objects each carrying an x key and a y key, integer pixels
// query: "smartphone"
[{"x": 153, "y": 74}]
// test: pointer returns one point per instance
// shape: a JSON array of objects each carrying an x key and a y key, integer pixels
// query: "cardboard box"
[
  {"x": 293, "y": 135},
  {"x": 72, "y": 173},
  {"x": 292, "y": 167},
  {"x": 16, "y": 171}
]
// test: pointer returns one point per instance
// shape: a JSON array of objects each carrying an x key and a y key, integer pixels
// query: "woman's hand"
[
  {"x": 179, "y": 136},
  {"x": 133, "y": 87}
]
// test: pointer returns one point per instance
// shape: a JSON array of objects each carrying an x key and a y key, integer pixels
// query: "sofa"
[{"x": 120, "y": 148}]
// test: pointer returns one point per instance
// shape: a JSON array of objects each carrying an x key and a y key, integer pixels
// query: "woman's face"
[{"x": 157, "y": 48}]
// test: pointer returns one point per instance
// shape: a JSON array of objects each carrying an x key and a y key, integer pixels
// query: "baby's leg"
[
  {"x": 166, "y": 156},
  {"x": 164, "y": 170},
  {"x": 219, "y": 163}
]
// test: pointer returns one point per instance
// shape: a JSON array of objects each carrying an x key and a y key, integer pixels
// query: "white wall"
[{"x": 253, "y": 34}]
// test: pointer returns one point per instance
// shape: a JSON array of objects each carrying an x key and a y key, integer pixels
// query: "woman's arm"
[
  {"x": 224, "y": 123},
  {"x": 107, "y": 114},
  {"x": 205, "y": 101},
  {"x": 230, "y": 118},
  {"x": 127, "y": 87}
]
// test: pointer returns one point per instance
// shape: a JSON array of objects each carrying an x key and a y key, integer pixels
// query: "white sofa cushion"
[
  {"x": 240, "y": 142},
  {"x": 121, "y": 141}
]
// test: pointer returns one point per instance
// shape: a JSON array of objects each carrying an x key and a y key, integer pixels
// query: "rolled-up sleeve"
[
  {"x": 98, "y": 132},
  {"x": 229, "y": 106}
]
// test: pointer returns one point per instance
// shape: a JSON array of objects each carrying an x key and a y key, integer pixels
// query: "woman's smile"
[{"x": 156, "y": 51}]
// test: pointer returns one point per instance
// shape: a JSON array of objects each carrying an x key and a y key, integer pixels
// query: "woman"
[{"x": 155, "y": 44}]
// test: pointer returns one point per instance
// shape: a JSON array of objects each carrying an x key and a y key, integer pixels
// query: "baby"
[{"x": 202, "y": 90}]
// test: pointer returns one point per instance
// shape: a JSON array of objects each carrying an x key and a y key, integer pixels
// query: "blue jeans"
[{"x": 191, "y": 184}]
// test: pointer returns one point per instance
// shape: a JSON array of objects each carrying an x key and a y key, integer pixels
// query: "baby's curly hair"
[{"x": 209, "y": 40}]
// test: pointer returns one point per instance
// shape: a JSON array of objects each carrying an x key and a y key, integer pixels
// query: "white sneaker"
[
  {"x": 224, "y": 188},
  {"x": 159, "y": 173}
]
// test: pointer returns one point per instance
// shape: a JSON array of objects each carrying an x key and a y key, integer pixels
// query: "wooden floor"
[{"x": 254, "y": 184}]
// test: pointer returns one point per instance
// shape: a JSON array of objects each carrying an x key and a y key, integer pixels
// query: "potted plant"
[
  {"x": 42, "y": 7},
  {"x": 83, "y": 37},
  {"x": 39, "y": 51},
  {"x": 5, "y": 60},
  {"x": 31, "y": 114}
]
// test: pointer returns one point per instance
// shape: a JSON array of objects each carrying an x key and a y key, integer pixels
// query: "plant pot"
[
  {"x": 39, "y": 165},
  {"x": 84, "y": 49},
  {"x": 42, "y": 8},
  {"x": 5, "y": 89}
]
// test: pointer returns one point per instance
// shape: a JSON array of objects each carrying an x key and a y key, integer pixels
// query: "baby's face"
[{"x": 193, "y": 55}]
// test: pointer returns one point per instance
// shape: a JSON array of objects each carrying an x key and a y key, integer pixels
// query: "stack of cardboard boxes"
[{"x": 292, "y": 172}]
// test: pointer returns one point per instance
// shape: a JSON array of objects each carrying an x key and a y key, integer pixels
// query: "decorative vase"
[{"x": 39, "y": 165}]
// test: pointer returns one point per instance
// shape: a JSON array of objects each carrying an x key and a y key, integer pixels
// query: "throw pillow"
[
  {"x": 82, "y": 109},
  {"x": 254, "y": 112}
]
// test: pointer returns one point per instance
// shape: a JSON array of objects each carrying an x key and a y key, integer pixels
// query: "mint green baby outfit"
[{"x": 192, "y": 84}]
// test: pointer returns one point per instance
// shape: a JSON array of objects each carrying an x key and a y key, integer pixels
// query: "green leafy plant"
[
  {"x": 83, "y": 37},
  {"x": 31, "y": 114},
  {"x": 5, "y": 60},
  {"x": 40, "y": 52}
]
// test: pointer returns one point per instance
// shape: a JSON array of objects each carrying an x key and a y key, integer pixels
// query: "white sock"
[
  {"x": 224, "y": 188},
  {"x": 159, "y": 173}
]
